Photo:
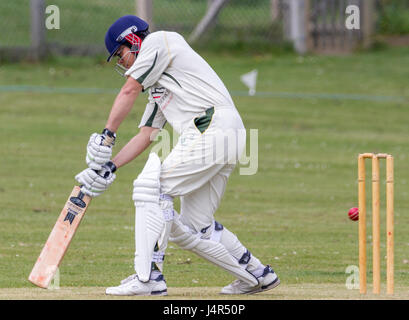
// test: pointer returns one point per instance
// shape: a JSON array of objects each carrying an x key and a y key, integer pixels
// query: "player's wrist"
[
  {"x": 109, "y": 133},
  {"x": 110, "y": 165}
]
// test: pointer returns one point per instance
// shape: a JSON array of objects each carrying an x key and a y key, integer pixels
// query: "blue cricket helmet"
[{"x": 122, "y": 27}]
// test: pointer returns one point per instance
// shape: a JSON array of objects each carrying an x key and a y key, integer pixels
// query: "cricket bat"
[
  {"x": 64, "y": 230},
  {"x": 59, "y": 238}
]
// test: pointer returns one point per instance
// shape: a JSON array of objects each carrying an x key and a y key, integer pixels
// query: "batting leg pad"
[
  {"x": 211, "y": 249},
  {"x": 166, "y": 205},
  {"x": 151, "y": 223}
]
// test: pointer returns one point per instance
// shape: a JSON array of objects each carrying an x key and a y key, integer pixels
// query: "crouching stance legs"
[
  {"x": 153, "y": 220},
  {"x": 221, "y": 247}
]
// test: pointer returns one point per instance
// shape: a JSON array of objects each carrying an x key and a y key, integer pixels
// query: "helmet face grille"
[
  {"x": 135, "y": 42},
  {"x": 119, "y": 67}
]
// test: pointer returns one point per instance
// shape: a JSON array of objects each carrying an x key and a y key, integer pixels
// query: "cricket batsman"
[{"x": 186, "y": 92}]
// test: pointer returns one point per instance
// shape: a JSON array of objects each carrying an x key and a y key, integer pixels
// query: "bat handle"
[
  {"x": 109, "y": 166},
  {"x": 80, "y": 195},
  {"x": 104, "y": 172},
  {"x": 109, "y": 137},
  {"x": 108, "y": 141}
]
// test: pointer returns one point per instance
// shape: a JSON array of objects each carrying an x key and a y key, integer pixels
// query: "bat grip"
[
  {"x": 109, "y": 137},
  {"x": 109, "y": 140},
  {"x": 107, "y": 168},
  {"x": 81, "y": 194}
]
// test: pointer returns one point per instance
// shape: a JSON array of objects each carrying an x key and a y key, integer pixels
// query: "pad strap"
[
  {"x": 158, "y": 256},
  {"x": 167, "y": 207}
]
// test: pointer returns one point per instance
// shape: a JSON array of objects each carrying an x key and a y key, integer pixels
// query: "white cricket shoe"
[
  {"x": 131, "y": 286},
  {"x": 131, "y": 277},
  {"x": 268, "y": 280}
]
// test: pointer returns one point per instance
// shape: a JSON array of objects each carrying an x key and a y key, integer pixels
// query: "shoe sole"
[
  {"x": 270, "y": 286},
  {"x": 153, "y": 293}
]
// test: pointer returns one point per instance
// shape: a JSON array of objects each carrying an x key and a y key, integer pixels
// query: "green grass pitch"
[{"x": 292, "y": 214}]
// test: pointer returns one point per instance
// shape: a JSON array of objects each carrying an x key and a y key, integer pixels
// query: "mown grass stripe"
[{"x": 261, "y": 94}]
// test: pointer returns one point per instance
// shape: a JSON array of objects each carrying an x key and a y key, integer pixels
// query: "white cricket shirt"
[{"x": 181, "y": 83}]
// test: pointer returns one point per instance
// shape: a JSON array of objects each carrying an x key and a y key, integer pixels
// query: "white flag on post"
[{"x": 250, "y": 80}]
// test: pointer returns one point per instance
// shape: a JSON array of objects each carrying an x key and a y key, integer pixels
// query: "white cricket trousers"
[{"x": 198, "y": 167}]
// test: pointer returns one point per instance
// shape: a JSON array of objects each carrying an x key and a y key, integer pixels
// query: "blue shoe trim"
[
  {"x": 159, "y": 278},
  {"x": 268, "y": 285},
  {"x": 218, "y": 226},
  {"x": 159, "y": 292},
  {"x": 267, "y": 270}
]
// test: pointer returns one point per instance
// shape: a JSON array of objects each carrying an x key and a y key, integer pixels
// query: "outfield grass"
[{"x": 292, "y": 214}]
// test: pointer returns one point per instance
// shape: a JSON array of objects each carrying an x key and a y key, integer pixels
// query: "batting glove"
[
  {"x": 99, "y": 149},
  {"x": 94, "y": 183}
]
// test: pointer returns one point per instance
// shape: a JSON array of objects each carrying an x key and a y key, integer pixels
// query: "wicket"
[{"x": 376, "y": 223}]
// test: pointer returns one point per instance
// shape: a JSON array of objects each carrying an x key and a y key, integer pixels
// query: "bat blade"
[{"x": 59, "y": 238}]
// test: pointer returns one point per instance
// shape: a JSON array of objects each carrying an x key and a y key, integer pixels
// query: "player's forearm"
[
  {"x": 132, "y": 149},
  {"x": 123, "y": 104}
]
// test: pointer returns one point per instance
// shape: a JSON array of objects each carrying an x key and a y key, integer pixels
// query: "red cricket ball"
[{"x": 353, "y": 214}]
